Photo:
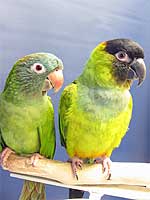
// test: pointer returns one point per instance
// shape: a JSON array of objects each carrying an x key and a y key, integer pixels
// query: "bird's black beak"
[{"x": 137, "y": 70}]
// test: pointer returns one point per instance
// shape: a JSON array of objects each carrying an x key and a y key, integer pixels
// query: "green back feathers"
[{"x": 68, "y": 98}]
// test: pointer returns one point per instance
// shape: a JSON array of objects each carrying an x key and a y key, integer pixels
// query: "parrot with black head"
[
  {"x": 27, "y": 115},
  {"x": 95, "y": 110}
]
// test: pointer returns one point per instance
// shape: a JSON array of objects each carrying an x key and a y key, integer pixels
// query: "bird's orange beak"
[{"x": 56, "y": 79}]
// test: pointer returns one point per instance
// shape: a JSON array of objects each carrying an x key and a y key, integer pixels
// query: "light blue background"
[{"x": 71, "y": 29}]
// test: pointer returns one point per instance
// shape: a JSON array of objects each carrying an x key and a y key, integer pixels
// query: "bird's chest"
[
  {"x": 95, "y": 121},
  {"x": 20, "y": 127},
  {"x": 100, "y": 104}
]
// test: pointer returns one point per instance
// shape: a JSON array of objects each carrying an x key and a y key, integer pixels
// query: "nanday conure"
[{"x": 95, "y": 110}]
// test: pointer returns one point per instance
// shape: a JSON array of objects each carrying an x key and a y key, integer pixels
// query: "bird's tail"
[
  {"x": 33, "y": 191},
  {"x": 75, "y": 194}
]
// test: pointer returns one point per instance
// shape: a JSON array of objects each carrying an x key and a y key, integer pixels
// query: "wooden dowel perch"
[{"x": 136, "y": 174}]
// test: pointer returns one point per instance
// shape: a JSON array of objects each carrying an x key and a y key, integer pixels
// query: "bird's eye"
[
  {"x": 38, "y": 68},
  {"x": 57, "y": 69},
  {"x": 123, "y": 56}
]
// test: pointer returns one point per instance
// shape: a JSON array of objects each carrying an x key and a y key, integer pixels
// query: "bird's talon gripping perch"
[
  {"x": 76, "y": 175},
  {"x": 106, "y": 166},
  {"x": 34, "y": 159},
  {"x": 109, "y": 176},
  {"x": 80, "y": 166},
  {"x": 4, "y": 156},
  {"x": 76, "y": 164}
]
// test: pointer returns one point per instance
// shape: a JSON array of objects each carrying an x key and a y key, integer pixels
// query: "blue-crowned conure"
[
  {"x": 27, "y": 115},
  {"x": 95, "y": 109}
]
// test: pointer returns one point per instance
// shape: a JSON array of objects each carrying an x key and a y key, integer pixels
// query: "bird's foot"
[
  {"x": 76, "y": 164},
  {"x": 34, "y": 159},
  {"x": 106, "y": 165},
  {"x": 4, "y": 156}
]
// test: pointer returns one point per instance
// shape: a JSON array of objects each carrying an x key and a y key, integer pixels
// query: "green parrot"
[
  {"x": 95, "y": 110},
  {"x": 27, "y": 115}
]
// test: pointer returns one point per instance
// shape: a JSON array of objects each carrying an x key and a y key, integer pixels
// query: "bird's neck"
[
  {"x": 18, "y": 93},
  {"x": 110, "y": 102},
  {"x": 20, "y": 87}
]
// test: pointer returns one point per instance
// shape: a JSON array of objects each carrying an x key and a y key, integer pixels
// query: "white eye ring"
[
  {"x": 123, "y": 56},
  {"x": 38, "y": 68}
]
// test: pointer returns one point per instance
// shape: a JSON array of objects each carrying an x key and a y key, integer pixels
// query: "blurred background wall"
[{"x": 71, "y": 29}]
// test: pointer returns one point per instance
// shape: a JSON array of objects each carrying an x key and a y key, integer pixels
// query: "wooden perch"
[
  {"x": 130, "y": 180},
  {"x": 91, "y": 174}
]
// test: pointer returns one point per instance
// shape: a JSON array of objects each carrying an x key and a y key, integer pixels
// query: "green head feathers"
[
  {"x": 115, "y": 64},
  {"x": 28, "y": 75}
]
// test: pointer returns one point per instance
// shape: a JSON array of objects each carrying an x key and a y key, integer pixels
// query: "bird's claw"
[
  {"x": 106, "y": 166},
  {"x": 4, "y": 156},
  {"x": 34, "y": 159},
  {"x": 76, "y": 164}
]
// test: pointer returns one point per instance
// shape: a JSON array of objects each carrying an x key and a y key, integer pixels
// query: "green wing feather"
[
  {"x": 2, "y": 143},
  {"x": 47, "y": 132},
  {"x": 1, "y": 146},
  {"x": 67, "y": 98}
]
